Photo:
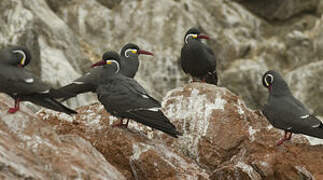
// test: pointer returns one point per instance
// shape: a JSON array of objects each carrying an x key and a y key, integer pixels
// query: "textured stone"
[
  {"x": 56, "y": 55},
  {"x": 304, "y": 83},
  {"x": 280, "y": 10},
  {"x": 244, "y": 77},
  {"x": 31, "y": 149},
  {"x": 132, "y": 151},
  {"x": 222, "y": 138},
  {"x": 160, "y": 27}
]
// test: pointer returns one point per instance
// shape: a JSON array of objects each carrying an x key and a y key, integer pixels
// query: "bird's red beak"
[
  {"x": 145, "y": 52},
  {"x": 203, "y": 37},
  {"x": 99, "y": 63}
]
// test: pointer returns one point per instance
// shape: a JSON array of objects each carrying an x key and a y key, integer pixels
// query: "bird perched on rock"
[
  {"x": 124, "y": 97},
  {"x": 129, "y": 64},
  {"x": 21, "y": 84},
  {"x": 197, "y": 59},
  {"x": 129, "y": 61},
  {"x": 285, "y": 112}
]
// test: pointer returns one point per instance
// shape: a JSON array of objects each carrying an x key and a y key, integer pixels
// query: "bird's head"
[
  {"x": 109, "y": 58},
  {"x": 130, "y": 50},
  {"x": 20, "y": 56},
  {"x": 275, "y": 83},
  {"x": 194, "y": 33}
]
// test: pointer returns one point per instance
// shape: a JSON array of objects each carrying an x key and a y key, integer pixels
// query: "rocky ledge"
[{"x": 222, "y": 139}]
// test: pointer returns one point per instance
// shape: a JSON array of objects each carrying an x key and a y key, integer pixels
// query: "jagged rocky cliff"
[
  {"x": 222, "y": 139},
  {"x": 249, "y": 37}
]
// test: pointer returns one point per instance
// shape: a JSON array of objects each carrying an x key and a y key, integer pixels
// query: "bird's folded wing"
[
  {"x": 24, "y": 83},
  {"x": 122, "y": 97}
]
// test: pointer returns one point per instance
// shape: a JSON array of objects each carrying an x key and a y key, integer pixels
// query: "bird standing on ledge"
[
  {"x": 22, "y": 85},
  {"x": 124, "y": 97},
  {"x": 285, "y": 112},
  {"x": 197, "y": 59}
]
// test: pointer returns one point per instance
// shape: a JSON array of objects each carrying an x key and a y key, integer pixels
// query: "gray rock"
[
  {"x": 244, "y": 78},
  {"x": 306, "y": 84},
  {"x": 280, "y": 10},
  {"x": 109, "y": 3},
  {"x": 160, "y": 27},
  {"x": 57, "y": 58}
]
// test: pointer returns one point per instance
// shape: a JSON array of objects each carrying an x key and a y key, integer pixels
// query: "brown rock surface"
[
  {"x": 30, "y": 149},
  {"x": 222, "y": 139},
  {"x": 133, "y": 151}
]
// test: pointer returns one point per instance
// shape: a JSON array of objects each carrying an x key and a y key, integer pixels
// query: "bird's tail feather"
[
  {"x": 49, "y": 103},
  {"x": 156, "y": 120},
  {"x": 211, "y": 78},
  {"x": 314, "y": 132},
  {"x": 69, "y": 91}
]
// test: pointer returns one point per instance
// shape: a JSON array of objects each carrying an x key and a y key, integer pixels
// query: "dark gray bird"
[
  {"x": 285, "y": 112},
  {"x": 21, "y": 84},
  {"x": 124, "y": 97},
  {"x": 129, "y": 64},
  {"x": 197, "y": 59},
  {"x": 129, "y": 61}
]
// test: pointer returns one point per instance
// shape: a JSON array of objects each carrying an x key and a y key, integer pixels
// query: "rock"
[
  {"x": 303, "y": 82},
  {"x": 245, "y": 77},
  {"x": 110, "y": 3},
  {"x": 54, "y": 47},
  {"x": 222, "y": 139},
  {"x": 156, "y": 28},
  {"x": 132, "y": 151},
  {"x": 31, "y": 149},
  {"x": 280, "y": 10},
  {"x": 320, "y": 8}
]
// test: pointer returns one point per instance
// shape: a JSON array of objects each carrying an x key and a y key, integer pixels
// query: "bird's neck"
[{"x": 281, "y": 89}]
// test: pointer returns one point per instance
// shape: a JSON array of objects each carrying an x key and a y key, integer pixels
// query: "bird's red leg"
[
  {"x": 120, "y": 124},
  {"x": 16, "y": 108},
  {"x": 287, "y": 136},
  {"x": 203, "y": 80},
  {"x": 127, "y": 123}
]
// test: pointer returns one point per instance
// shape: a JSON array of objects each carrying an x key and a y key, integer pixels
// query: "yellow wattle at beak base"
[
  {"x": 22, "y": 62},
  {"x": 194, "y": 36},
  {"x": 134, "y": 51},
  {"x": 109, "y": 62}
]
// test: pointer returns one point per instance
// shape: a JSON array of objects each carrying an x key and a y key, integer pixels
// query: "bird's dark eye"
[{"x": 268, "y": 80}]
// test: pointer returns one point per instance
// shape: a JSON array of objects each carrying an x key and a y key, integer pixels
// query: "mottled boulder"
[
  {"x": 56, "y": 51},
  {"x": 280, "y": 10},
  {"x": 132, "y": 151},
  {"x": 244, "y": 77},
  {"x": 160, "y": 26},
  {"x": 304, "y": 83},
  {"x": 222, "y": 139},
  {"x": 31, "y": 149}
]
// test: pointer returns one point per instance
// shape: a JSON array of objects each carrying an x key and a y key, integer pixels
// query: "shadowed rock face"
[
  {"x": 280, "y": 10},
  {"x": 221, "y": 139}
]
